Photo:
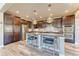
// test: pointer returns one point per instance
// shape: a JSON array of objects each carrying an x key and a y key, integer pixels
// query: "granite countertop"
[
  {"x": 59, "y": 34},
  {"x": 45, "y": 32}
]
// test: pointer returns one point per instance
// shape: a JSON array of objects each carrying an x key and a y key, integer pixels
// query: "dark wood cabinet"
[
  {"x": 16, "y": 28},
  {"x": 69, "y": 20},
  {"x": 57, "y": 22},
  {"x": 8, "y": 29},
  {"x": 8, "y": 19},
  {"x": 16, "y": 20},
  {"x": 11, "y": 28},
  {"x": 69, "y": 28}
]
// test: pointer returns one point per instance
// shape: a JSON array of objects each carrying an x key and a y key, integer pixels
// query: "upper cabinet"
[
  {"x": 69, "y": 20},
  {"x": 69, "y": 28},
  {"x": 16, "y": 20},
  {"x": 8, "y": 19},
  {"x": 57, "y": 22}
]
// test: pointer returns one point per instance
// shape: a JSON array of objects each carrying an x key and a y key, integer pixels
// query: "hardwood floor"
[
  {"x": 71, "y": 49},
  {"x": 20, "y": 50}
]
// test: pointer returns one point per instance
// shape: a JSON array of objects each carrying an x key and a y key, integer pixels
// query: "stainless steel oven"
[
  {"x": 69, "y": 34},
  {"x": 48, "y": 41}
]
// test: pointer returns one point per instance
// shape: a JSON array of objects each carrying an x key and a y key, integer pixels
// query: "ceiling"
[{"x": 25, "y": 10}]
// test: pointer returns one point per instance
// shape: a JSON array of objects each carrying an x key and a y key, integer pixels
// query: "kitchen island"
[{"x": 53, "y": 41}]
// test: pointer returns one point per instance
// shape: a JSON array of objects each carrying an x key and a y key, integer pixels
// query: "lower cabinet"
[{"x": 45, "y": 41}]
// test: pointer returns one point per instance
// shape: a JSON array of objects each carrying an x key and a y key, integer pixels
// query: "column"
[
  {"x": 61, "y": 46},
  {"x": 39, "y": 41},
  {"x": 77, "y": 27},
  {"x": 1, "y": 30}
]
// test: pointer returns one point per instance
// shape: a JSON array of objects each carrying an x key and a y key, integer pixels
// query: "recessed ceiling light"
[
  {"x": 17, "y": 11},
  {"x": 51, "y": 14},
  {"x": 40, "y": 16},
  {"x": 49, "y": 9},
  {"x": 27, "y": 16},
  {"x": 66, "y": 11}
]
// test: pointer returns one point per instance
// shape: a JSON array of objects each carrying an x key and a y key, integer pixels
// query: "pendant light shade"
[
  {"x": 34, "y": 22},
  {"x": 49, "y": 7},
  {"x": 49, "y": 20}
]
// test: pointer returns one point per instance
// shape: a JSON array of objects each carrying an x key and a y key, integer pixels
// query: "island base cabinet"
[
  {"x": 61, "y": 49},
  {"x": 49, "y": 42}
]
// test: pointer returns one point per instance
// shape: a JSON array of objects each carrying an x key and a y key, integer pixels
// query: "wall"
[
  {"x": 1, "y": 29},
  {"x": 77, "y": 27}
]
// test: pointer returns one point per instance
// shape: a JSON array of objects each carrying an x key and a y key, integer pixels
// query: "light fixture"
[
  {"x": 17, "y": 11},
  {"x": 40, "y": 16},
  {"x": 34, "y": 22},
  {"x": 27, "y": 16},
  {"x": 36, "y": 29},
  {"x": 66, "y": 11},
  {"x": 29, "y": 30},
  {"x": 49, "y": 7},
  {"x": 51, "y": 14},
  {"x": 49, "y": 20},
  {"x": 35, "y": 12}
]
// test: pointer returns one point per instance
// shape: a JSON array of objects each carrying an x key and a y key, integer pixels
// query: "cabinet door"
[
  {"x": 8, "y": 19},
  {"x": 16, "y": 29},
  {"x": 57, "y": 22},
  {"x": 11, "y": 29},
  {"x": 68, "y": 20},
  {"x": 8, "y": 29}
]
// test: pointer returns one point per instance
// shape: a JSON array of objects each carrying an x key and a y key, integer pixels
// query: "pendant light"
[
  {"x": 49, "y": 20},
  {"x": 35, "y": 13},
  {"x": 49, "y": 7},
  {"x": 34, "y": 22}
]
